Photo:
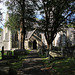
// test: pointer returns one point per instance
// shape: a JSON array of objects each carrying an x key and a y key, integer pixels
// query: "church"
[{"x": 34, "y": 39}]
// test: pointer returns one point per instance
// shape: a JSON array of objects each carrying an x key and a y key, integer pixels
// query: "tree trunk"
[
  {"x": 47, "y": 51},
  {"x": 22, "y": 40},
  {"x": 22, "y": 26},
  {"x": 22, "y": 32},
  {"x": 50, "y": 49},
  {"x": 48, "y": 46}
]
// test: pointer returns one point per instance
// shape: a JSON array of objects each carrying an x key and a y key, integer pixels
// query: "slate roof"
[{"x": 29, "y": 34}]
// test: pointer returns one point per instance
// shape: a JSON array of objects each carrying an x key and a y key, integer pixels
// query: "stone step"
[
  {"x": 3, "y": 63},
  {"x": 20, "y": 73},
  {"x": 4, "y": 70}
]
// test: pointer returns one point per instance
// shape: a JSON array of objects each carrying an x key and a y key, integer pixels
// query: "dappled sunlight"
[
  {"x": 33, "y": 64},
  {"x": 65, "y": 66}
]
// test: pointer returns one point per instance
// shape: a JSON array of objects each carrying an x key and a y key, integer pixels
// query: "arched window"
[{"x": 16, "y": 36}]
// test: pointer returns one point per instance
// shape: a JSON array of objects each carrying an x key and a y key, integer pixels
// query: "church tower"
[{"x": 6, "y": 36}]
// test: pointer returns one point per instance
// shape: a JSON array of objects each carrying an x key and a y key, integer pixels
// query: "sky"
[
  {"x": 3, "y": 11},
  {"x": 39, "y": 16}
]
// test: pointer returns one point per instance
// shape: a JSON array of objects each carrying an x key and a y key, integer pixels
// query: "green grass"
[
  {"x": 28, "y": 51},
  {"x": 17, "y": 65},
  {"x": 5, "y": 54},
  {"x": 60, "y": 67},
  {"x": 18, "y": 62},
  {"x": 12, "y": 52},
  {"x": 64, "y": 67},
  {"x": 0, "y": 55}
]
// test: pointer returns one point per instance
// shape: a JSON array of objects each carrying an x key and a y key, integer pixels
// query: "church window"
[{"x": 16, "y": 36}]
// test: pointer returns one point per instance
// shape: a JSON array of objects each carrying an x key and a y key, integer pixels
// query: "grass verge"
[{"x": 60, "y": 67}]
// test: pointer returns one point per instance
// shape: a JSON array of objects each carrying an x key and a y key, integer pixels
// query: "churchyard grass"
[
  {"x": 5, "y": 54},
  {"x": 0, "y": 55},
  {"x": 60, "y": 67},
  {"x": 14, "y": 63},
  {"x": 17, "y": 63},
  {"x": 12, "y": 52}
]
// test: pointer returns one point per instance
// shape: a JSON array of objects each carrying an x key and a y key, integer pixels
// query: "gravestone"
[
  {"x": 2, "y": 52},
  {"x": 9, "y": 53}
]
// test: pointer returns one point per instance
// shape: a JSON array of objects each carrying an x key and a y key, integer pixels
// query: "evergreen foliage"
[
  {"x": 1, "y": 29},
  {"x": 12, "y": 23}
]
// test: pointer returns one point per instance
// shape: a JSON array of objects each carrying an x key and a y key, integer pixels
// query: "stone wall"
[
  {"x": 15, "y": 41},
  {"x": 71, "y": 36},
  {"x": 6, "y": 45},
  {"x": 60, "y": 39},
  {"x": 1, "y": 40},
  {"x": 26, "y": 44}
]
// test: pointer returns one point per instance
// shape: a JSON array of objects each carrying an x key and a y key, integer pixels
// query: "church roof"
[{"x": 29, "y": 34}]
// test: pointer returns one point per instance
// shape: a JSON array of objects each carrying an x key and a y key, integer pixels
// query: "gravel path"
[{"x": 33, "y": 65}]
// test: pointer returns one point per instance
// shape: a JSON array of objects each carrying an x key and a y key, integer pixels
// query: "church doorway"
[{"x": 34, "y": 44}]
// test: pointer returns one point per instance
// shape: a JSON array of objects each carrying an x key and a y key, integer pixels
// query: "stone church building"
[
  {"x": 34, "y": 39},
  {"x": 8, "y": 40}
]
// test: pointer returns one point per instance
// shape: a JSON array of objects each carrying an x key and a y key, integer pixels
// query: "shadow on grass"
[
  {"x": 64, "y": 66},
  {"x": 14, "y": 64}
]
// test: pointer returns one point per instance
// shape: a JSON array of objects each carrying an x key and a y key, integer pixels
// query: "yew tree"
[
  {"x": 55, "y": 14},
  {"x": 13, "y": 23}
]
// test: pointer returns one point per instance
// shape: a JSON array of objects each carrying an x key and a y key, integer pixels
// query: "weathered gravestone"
[{"x": 2, "y": 52}]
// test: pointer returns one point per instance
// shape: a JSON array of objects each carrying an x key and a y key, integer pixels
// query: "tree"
[
  {"x": 1, "y": 29},
  {"x": 1, "y": 12},
  {"x": 13, "y": 23},
  {"x": 25, "y": 9},
  {"x": 55, "y": 13}
]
